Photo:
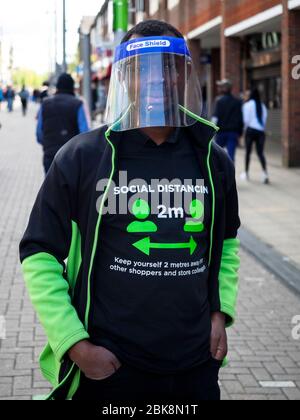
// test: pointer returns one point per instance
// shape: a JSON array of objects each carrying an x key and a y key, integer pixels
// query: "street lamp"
[
  {"x": 120, "y": 19},
  {"x": 64, "y": 66}
]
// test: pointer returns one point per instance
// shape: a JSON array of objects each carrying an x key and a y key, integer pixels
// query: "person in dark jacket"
[
  {"x": 1, "y": 96},
  {"x": 60, "y": 118},
  {"x": 44, "y": 94},
  {"x": 134, "y": 292},
  {"x": 24, "y": 96},
  {"x": 228, "y": 116},
  {"x": 10, "y": 98}
]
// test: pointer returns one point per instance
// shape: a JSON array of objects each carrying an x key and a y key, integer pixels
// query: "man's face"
[
  {"x": 155, "y": 81},
  {"x": 224, "y": 89}
]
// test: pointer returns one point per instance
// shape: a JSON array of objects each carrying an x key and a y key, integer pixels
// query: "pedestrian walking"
[
  {"x": 255, "y": 120},
  {"x": 139, "y": 315},
  {"x": 60, "y": 118},
  {"x": 229, "y": 118},
  {"x": 44, "y": 93},
  {"x": 36, "y": 96},
  {"x": 24, "y": 96},
  {"x": 10, "y": 98},
  {"x": 1, "y": 97}
]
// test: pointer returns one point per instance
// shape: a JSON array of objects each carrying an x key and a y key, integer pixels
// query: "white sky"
[{"x": 29, "y": 25}]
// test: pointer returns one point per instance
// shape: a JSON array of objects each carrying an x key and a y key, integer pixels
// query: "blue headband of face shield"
[
  {"x": 153, "y": 80},
  {"x": 152, "y": 45}
]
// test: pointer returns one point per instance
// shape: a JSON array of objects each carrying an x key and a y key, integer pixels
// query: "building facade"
[
  {"x": 104, "y": 34},
  {"x": 255, "y": 43}
]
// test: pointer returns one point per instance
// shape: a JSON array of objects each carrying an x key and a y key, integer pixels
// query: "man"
[
  {"x": 44, "y": 94},
  {"x": 24, "y": 96},
  {"x": 139, "y": 313},
  {"x": 229, "y": 118},
  {"x": 60, "y": 118},
  {"x": 1, "y": 100},
  {"x": 10, "y": 98},
  {"x": 1, "y": 96}
]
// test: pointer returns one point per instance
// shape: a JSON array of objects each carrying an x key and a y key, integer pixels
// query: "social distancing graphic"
[
  {"x": 142, "y": 211},
  {"x": 197, "y": 215}
]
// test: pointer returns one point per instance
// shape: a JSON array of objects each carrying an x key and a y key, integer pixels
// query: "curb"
[{"x": 273, "y": 260}]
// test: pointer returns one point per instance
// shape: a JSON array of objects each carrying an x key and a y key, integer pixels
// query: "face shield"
[{"x": 153, "y": 84}]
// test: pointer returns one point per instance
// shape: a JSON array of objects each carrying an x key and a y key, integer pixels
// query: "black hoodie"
[{"x": 67, "y": 199}]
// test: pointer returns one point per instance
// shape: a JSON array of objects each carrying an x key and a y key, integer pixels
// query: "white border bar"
[
  {"x": 293, "y": 4},
  {"x": 254, "y": 21},
  {"x": 195, "y": 33}
]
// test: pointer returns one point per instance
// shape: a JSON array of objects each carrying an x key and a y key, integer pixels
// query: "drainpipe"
[
  {"x": 140, "y": 11},
  {"x": 87, "y": 73}
]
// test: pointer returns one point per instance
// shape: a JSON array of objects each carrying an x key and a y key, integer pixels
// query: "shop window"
[
  {"x": 266, "y": 41},
  {"x": 270, "y": 90}
]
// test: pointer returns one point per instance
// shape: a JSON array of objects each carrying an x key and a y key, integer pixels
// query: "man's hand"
[
  {"x": 97, "y": 363},
  {"x": 219, "y": 345}
]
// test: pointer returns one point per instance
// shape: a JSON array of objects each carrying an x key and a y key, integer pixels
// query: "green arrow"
[{"x": 145, "y": 245}]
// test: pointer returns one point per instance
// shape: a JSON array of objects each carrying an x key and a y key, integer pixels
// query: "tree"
[{"x": 28, "y": 78}]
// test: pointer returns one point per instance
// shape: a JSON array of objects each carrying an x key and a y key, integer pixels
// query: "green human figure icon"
[
  {"x": 141, "y": 210},
  {"x": 197, "y": 212}
]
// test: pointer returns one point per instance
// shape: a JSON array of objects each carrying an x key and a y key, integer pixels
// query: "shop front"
[{"x": 263, "y": 71}]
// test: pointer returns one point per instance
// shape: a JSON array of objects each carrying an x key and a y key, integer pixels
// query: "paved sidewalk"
[
  {"x": 262, "y": 348},
  {"x": 272, "y": 212}
]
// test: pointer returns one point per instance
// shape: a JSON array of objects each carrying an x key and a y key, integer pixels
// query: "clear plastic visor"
[{"x": 159, "y": 89}]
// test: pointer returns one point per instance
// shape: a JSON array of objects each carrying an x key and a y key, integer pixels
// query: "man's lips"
[{"x": 156, "y": 100}]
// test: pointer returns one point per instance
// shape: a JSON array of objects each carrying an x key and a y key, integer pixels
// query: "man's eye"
[
  {"x": 170, "y": 67},
  {"x": 143, "y": 69}
]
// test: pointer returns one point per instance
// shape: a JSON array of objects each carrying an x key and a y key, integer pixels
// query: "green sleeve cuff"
[
  {"x": 229, "y": 279},
  {"x": 230, "y": 315},
  {"x": 69, "y": 342}
]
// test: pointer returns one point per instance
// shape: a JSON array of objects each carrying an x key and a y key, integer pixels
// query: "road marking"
[
  {"x": 288, "y": 384},
  {"x": 2, "y": 328}
]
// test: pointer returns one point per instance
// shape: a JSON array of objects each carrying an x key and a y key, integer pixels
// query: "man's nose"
[{"x": 157, "y": 77}]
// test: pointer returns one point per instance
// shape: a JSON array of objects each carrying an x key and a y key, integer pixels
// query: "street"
[{"x": 264, "y": 358}]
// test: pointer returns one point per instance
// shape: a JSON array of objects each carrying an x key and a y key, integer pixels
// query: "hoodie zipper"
[
  {"x": 107, "y": 134},
  {"x": 96, "y": 237},
  {"x": 52, "y": 395},
  {"x": 213, "y": 201},
  {"x": 216, "y": 128}
]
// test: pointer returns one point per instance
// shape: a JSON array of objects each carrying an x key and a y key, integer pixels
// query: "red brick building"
[{"x": 251, "y": 42}]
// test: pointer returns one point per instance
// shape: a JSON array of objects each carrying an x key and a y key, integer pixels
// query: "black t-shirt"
[{"x": 151, "y": 270}]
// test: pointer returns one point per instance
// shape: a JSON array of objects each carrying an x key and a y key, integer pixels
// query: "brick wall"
[
  {"x": 239, "y": 10},
  {"x": 189, "y": 14},
  {"x": 291, "y": 88},
  {"x": 198, "y": 12},
  {"x": 177, "y": 15},
  {"x": 216, "y": 70},
  {"x": 231, "y": 58}
]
